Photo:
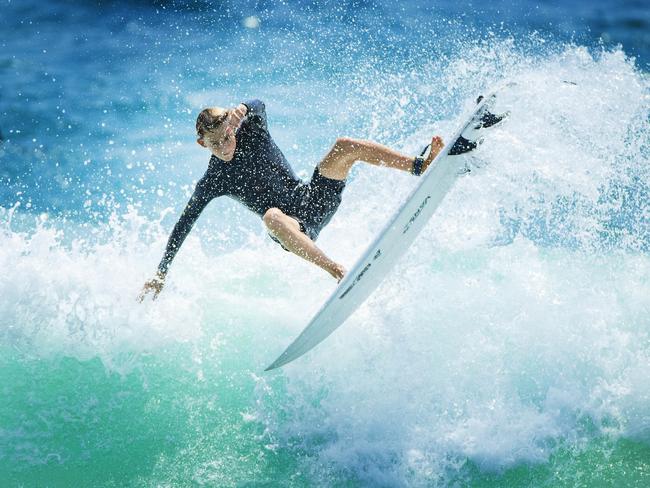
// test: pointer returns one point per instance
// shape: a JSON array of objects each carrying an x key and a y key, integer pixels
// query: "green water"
[
  {"x": 169, "y": 421},
  {"x": 71, "y": 423}
]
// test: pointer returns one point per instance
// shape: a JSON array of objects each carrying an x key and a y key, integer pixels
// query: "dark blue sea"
[{"x": 510, "y": 347}]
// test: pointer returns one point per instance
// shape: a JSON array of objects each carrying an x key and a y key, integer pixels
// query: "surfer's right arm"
[
  {"x": 197, "y": 203},
  {"x": 256, "y": 112}
]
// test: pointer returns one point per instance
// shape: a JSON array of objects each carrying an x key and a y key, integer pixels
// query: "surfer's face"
[{"x": 221, "y": 141}]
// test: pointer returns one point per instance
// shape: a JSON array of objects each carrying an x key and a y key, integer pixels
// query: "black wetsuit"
[{"x": 260, "y": 177}]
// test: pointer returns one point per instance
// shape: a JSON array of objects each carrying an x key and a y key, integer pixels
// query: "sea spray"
[
  {"x": 518, "y": 321},
  {"x": 512, "y": 336}
]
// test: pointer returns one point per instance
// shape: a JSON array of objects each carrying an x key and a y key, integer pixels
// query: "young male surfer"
[{"x": 248, "y": 166}]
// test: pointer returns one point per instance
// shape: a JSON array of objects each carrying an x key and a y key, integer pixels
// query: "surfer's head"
[{"x": 215, "y": 132}]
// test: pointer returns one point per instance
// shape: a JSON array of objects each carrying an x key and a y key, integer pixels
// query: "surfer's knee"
[
  {"x": 346, "y": 146},
  {"x": 273, "y": 218}
]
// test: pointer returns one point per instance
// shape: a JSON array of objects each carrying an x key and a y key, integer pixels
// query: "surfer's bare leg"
[
  {"x": 287, "y": 230},
  {"x": 345, "y": 152}
]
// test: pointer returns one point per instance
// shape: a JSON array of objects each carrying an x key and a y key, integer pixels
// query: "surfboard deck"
[{"x": 393, "y": 241}]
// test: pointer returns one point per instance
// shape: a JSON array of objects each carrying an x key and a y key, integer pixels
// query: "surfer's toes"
[
  {"x": 436, "y": 146},
  {"x": 338, "y": 272},
  {"x": 342, "y": 274}
]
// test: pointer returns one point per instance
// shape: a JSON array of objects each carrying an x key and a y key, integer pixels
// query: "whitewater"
[{"x": 510, "y": 346}]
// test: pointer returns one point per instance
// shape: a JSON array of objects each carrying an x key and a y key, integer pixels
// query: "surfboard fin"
[
  {"x": 462, "y": 146},
  {"x": 490, "y": 120}
]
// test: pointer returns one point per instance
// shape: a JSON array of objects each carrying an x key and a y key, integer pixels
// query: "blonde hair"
[{"x": 210, "y": 119}]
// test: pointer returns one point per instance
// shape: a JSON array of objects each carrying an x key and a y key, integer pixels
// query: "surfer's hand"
[
  {"x": 154, "y": 286},
  {"x": 237, "y": 115}
]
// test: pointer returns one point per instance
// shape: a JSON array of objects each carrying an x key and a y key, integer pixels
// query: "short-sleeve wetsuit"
[{"x": 259, "y": 177}]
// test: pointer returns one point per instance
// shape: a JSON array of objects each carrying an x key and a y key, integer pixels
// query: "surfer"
[{"x": 248, "y": 166}]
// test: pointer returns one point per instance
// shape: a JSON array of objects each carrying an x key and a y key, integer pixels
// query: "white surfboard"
[{"x": 391, "y": 243}]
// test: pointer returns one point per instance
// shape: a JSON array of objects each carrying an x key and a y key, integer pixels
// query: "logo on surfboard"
[
  {"x": 360, "y": 275},
  {"x": 416, "y": 214}
]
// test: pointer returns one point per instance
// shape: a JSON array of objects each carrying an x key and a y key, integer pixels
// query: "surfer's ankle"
[{"x": 424, "y": 160}]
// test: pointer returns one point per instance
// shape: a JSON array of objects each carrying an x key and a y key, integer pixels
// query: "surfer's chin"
[{"x": 225, "y": 157}]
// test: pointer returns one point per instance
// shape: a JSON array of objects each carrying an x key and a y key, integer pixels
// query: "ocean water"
[{"x": 511, "y": 345}]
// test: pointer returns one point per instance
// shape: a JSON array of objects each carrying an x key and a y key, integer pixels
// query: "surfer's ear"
[{"x": 201, "y": 142}]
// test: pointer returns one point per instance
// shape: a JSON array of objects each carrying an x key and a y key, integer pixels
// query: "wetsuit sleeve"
[
  {"x": 199, "y": 200},
  {"x": 256, "y": 111}
]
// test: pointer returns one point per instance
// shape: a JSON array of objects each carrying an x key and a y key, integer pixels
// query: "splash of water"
[{"x": 517, "y": 323}]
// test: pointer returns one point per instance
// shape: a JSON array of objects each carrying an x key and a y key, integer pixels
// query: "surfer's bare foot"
[
  {"x": 436, "y": 146},
  {"x": 337, "y": 271}
]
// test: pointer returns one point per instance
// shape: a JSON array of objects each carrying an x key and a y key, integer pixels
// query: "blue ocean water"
[{"x": 522, "y": 358}]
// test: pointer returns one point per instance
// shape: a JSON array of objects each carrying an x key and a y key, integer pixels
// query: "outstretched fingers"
[{"x": 150, "y": 286}]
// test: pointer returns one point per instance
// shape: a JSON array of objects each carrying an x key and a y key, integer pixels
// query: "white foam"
[
  {"x": 516, "y": 315},
  {"x": 78, "y": 298}
]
